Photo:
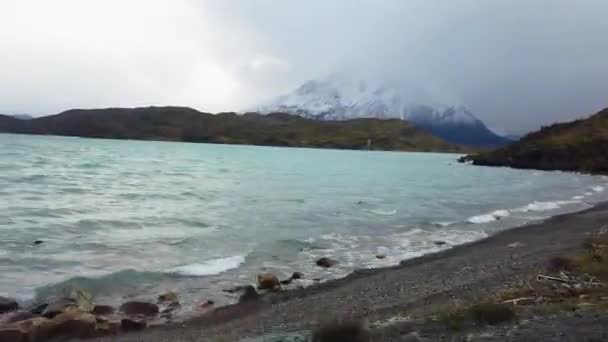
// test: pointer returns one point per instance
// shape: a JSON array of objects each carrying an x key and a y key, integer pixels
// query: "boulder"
[
  {"x": 103, "y": 310},
  {"x": 72, "y": 324},
  {"x": 439, "y": 243},
  {"x": 129, "y": 324},
  {"x": 7, "y": 305},
  {"x": 55, "y": 307},
  {"x": 76, "y": 299},
  {"x": 36, "y": 329},
  {"x": 297, "y": 275},
  {"x": 13, "y": 335},
  {"x": 168, "y": 297},
  {"x": 380, "y": 256},
  {"x": 82, "y": 299},
  {"x": 268, "y": 281},
  {"x": 249, "y": 294},
  {"x": 326, "y": 262},
  {"x": 286, "y": 281},
  {"x": 139, "y": 308}
]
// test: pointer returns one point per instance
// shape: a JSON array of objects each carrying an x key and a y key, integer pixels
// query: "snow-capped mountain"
[{"x": 340, "y": 99}]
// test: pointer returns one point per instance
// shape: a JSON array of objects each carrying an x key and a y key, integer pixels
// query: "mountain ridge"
[{"x": 189, "y": 125}]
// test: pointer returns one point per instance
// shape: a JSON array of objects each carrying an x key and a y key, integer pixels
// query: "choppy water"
[{"x": 130, "y": 219}]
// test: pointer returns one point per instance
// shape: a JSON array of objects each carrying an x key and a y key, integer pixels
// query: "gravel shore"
[{"x": 415, "y": 288}]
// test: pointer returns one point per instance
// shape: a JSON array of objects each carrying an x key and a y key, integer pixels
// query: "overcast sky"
[{"x": 516, "y": 64}]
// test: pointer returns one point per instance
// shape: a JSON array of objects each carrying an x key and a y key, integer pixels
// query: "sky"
[{"x": 517, "y": 64}]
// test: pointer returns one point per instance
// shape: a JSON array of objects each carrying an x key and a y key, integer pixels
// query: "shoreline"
[{"x": 417, "y": 286}]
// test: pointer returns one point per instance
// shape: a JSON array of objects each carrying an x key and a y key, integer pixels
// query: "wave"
[
  {"x": 381, "y": 212},
  {"x": 544, "y": 206},
  {"x": 110, "y": 284},
  {"x": 209, "y": 267},
  {"x": 536, "y": 206},
  {"x": 598, "y": 188}
]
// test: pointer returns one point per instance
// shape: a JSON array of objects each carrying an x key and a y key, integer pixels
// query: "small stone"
[
  {"x": 103, "y": 310},
  {"x": 380, "y": 256},
  {"x": 7, "y": 305},
  {"x": 297, "y": 275},
  {"x": 268, "y": 281},
  {"x": 168, "y": 297},
  {"x": 515, "y": 244},
  {"x": 129, "y": 324},
  {"x": 411, "y": 337},
  {"x": 38, "y": 242},
  {"x": 139, "y": 308},
  {"x": 207, "y": 304},
  {"x": 326, "y": 262},
  {"x": 439, "y": 243}
]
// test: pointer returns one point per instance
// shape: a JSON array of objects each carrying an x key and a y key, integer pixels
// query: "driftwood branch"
[
  {"x": 570, "y": 281},
  {"x": 515, "y": 301}
]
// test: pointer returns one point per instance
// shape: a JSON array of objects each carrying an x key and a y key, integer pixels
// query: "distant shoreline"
[
  {"x": 165, "y": 140},
  {"x": 418, "y": 286}
]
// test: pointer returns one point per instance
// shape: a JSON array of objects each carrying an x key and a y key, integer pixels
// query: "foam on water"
[
  {"x": 209, "y": 267},
  {"x": 381, "y": 212},
  {"x": 598, "y": 188}
]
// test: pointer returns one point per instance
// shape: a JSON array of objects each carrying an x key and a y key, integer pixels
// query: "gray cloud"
[{"x": 516, "y": 63}]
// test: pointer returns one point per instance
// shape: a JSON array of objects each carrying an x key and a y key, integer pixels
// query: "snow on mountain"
[{"x": 340, "y": 99}]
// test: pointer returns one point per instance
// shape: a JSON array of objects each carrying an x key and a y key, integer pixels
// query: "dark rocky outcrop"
[
  {"x": 580, "y": 145},
  {"x": 139, "y": 308},
  {"x": 132, "y": 324},
  {"x": 8, "y": 304},
  {"x": 103, "y": 310},
  {"x": 249, "y": 294},
  {"x": 326, "y": 262},
  {"x": 186, "y": 124}
]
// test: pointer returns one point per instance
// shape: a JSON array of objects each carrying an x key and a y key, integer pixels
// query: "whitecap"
[
  {"x": 381, "y": 212},
  {"x": 598, "y": 188},
  {"x": 578, "y": 198},
  {"x": 209, "y": 267},
  {"x": 588, "y": 193},
  {"x": 486, "y": 218}
]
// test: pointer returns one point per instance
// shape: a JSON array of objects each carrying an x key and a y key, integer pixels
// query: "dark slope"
[
  {"x": 11, "y": 124},
  {"x": 580, "y": 145},
  {"x": 186, "y": 124},
  {"x": 472, "y": 134}
]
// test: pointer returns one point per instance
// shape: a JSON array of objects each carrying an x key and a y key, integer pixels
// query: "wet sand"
[{"x": 417, "y": 287}]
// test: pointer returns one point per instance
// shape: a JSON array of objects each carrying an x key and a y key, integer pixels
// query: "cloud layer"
[{"x": 516, "y": 63}]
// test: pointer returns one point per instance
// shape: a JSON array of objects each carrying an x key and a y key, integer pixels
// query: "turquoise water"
[{"x": 130, "y": 219}]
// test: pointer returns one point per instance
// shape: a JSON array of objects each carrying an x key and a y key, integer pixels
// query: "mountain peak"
[{"x": 341, "y": 98}]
